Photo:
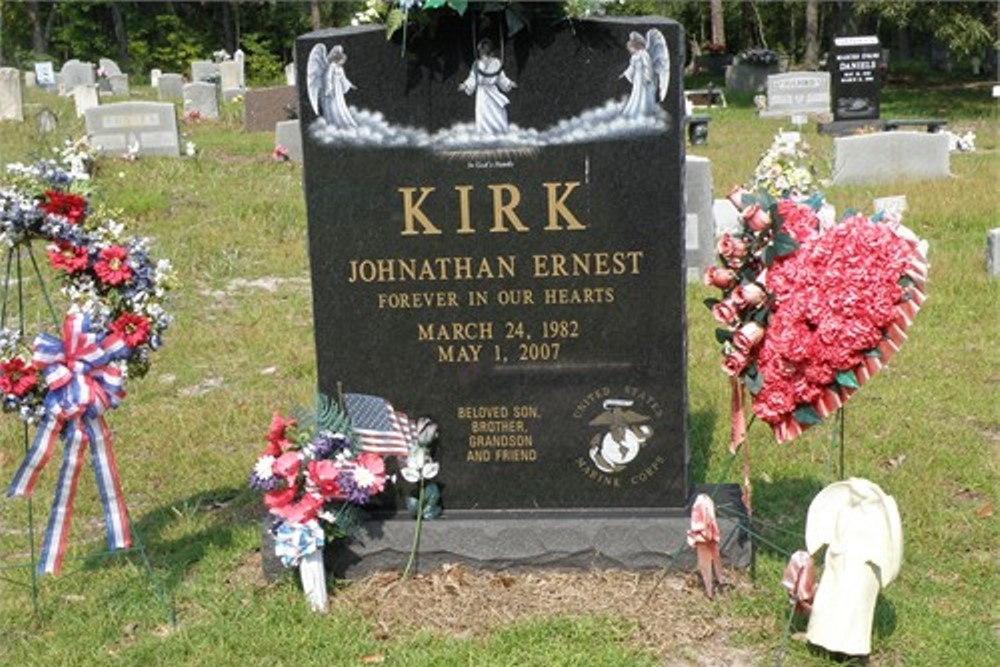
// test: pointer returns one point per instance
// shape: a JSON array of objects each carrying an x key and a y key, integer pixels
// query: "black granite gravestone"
[
  {"x": 496, "y": 234},
  {"x": 855, "y": 78}
]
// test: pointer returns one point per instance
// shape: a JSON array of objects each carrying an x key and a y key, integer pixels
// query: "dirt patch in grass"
[{"x": 668, "y": 614}]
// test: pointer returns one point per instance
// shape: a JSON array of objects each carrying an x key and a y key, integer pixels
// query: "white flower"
[
  {"x": 264, "y": 467},
  {"x": 363, "y": 477}
]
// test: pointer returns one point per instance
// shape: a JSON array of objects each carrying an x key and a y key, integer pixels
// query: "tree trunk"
[
  {"x": 39, "y": 43},
  {"x": 121, "y": 34},
  {"x": 811, "y": 60},
  {"x": 227, "y": 28},
  {"x": 317, "y": 21},
  {"x": 718, "y": 24}
]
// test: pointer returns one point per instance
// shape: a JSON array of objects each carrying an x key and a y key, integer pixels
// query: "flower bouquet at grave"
[
  {"x": 786, "y": 168},
  {"x": 64, "y": 381},
  {"x": 321, "y": 468},
  {"x": 761, "y": 57},
  {"x": 811, "y": 308}
]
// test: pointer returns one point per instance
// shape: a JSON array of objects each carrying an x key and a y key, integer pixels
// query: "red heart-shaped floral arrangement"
[{"x": 811, "y": 308}]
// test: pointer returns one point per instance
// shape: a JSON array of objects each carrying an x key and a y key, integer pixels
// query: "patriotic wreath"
[{"x": 64, "y": 382}]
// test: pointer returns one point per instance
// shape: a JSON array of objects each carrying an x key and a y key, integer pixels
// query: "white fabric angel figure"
[
  {"x": 648, "y": 72},
  {"x": 328, "y": 84},
  {"x": 488, "y": 81}
]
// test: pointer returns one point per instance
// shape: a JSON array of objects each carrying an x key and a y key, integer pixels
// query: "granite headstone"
[
  {"x": 45, "y": 75},
  {"x": 264, "y": 107},
  {"x": 509, "y": 261},
  {"x": 884, "y": 157},
  {"x": 170, "y": 86},
  {"x": 993, "y": 252},
  {"x": 75, "y": 73},
  {"x": 85, "y": 97},
  {"x": 204, "y": 70},
  {"x": 699, "y": 233},
  {"x": 855, "y": 80},
  {"x": 229, "y": 78},
  {"x": 30, "y": 80},
  {"x": 202, "y": 98},
  {"x": 108, "y": 66},
  {"x": 154, "y": 77},
  {"x": 288, "y": 135},
  {"x": 11, "y": 102},
  {"x": 149, "y": 127},
  {"x": 797, "y": 93},
  {"x": 290, "y": 74},
  {"x": 119, "y": 84}
]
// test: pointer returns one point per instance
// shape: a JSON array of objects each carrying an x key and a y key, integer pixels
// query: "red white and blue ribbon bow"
[{"x": 81, "y": 387}]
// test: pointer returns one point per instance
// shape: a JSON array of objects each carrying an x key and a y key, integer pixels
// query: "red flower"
[
  {"x": 277, "y": 443},
  {"x": 69, "y": 206},
  {"x": 324, "y": 475},
  {"x": 68, "y": 257},
  {"x": 112, "y": 267},
  {"x": 134, "y": 329},
  {"x": 17, "y": 377}
]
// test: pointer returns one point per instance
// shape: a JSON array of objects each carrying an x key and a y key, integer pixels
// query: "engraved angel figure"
[
  {"x": 489, "y": 83},
  {"x": 327, "y": 84},
  {"x": 648, "y": 72}
]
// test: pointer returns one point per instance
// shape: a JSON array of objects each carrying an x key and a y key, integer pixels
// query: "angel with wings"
[
  {"x": 648, "y": 72},
  {"x": 328, "y": 84}
]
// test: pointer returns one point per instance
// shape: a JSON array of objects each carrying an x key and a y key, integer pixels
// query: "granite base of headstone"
[
  {"x": 288, "y": 135},
  {"x": 119, "y": 84},
  {"x": 201, "y": 98},
  {"x": 993, "y": 252},
  {"x": 85, "y": 97},
  {"x": 263, "y": 108},
  {"x": 11, "y": 102},
  {"x": 889, "y": 156},
  {"x": 699, "y": 230},
  {"x": 145, "y": 128},
  {"x": 170, "y": 87}
]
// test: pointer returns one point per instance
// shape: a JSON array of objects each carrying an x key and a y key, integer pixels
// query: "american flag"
[{"x": 380, "y": 429}]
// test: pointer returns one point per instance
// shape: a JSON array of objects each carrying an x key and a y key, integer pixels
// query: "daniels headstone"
[
  {"x": 148, "y": 127},
  {"x": 497, "y": 241},
  {"x": 855, "y": 83}
]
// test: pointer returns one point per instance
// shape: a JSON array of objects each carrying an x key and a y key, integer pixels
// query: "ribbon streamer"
[{"x": 82, "y": 386}]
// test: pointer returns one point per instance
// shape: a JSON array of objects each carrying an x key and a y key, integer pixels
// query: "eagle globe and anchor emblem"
[{"x": 624, "y": 438}]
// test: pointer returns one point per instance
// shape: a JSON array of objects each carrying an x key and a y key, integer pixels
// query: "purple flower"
[
  {"x": 355, "y": 494},
  {"x": 327, "y": 445}
]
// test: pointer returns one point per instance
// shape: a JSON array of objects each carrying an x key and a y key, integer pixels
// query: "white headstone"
[
  {"x": 290, "y": 74},
  {"x": 154, "y": 77},
  {"x": 797, "y": 93},
  {"x": 700, "y": 227},
  {"x": 993, "y": 252},
  {"x": 204, "y": 70},
  {"x": 119, "y": 84},
  {"x": 288, "y": 135},
  {"x": 240, "y": 59},
  {"x": 45, "y": 75},
  {"x": 11, "y": 103},
  {"x": 108, "y": 66},
  {"x": 888, "y": 156},
  {"x": 85, "y": 97},
  {"x": 30, "y": 80},
  {"x": 75, "y": 73},
  {"x": 151, "y": 126},
  {"x": 202, "y": 98},
  {"x": 170, "y": 86}
]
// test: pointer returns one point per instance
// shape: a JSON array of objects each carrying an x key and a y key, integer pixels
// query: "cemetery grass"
[{"x": 233, "y": 222}]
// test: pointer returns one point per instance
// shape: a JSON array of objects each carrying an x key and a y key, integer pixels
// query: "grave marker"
[
  {"x": 85, "y": 97},
  {"x": 884, "y": 157},
  {"x": 229, "y": 78},
  {"x": 527, "y": 259},
  {"x": 855, "y": 84},
  {"x": 204, "y": 70},
  {"x": 45, "y": 75},
  {"x": 119, "y": 84},
  {"x": 202, "y": 98},
  {"x": 154, "y": 77},
  {"x": 797, "y": 93},
  {"x": 151, "y": 127},
  {"x": 700, "y": 227},
  {"x": 75, "y": 73},
  {"x": 170, "y": 87},
  {"x": 11, "y": 103},
  {"x": 288, "y": 135},
  {"x": 30, "y": 81}
]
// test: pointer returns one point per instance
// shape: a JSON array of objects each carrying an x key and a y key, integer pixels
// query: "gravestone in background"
[
  {"x": 229, "y": 79},
  {"x": 240, "y": 59},
  {"x": 45, "y": 75},
  {"x": 290, "y": 74},
  {"x": 288, "y": 135},
  {"x": 119, "y": 84},
  {"x": 75, "y": 73},
  {"x": 993, "y": 252},
  {"x": 85, "y": 97},
  {"x": 264, "y": 107},
  {"x": 170, "y": 86},
  {"x": 204, "y": 70},
  {"x": 797, "y": 93},
  {"x": 855, "y": 85},
  {"x": 154, "y": 77},
  {"x": 517, "y": 276},
  {"x": 152, "y": 126},
  {"x": 202, "y": 98},
  {"x": 884, "y": 157},
  {"x": 11, "y": 104},
  {"x": 30, "y": 81},
  {"x": 108, "y": 66},
  {"x": 699, "y": 233}
]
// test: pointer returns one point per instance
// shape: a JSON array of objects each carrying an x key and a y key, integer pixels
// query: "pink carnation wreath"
[{"x": 811, "y": 309}]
